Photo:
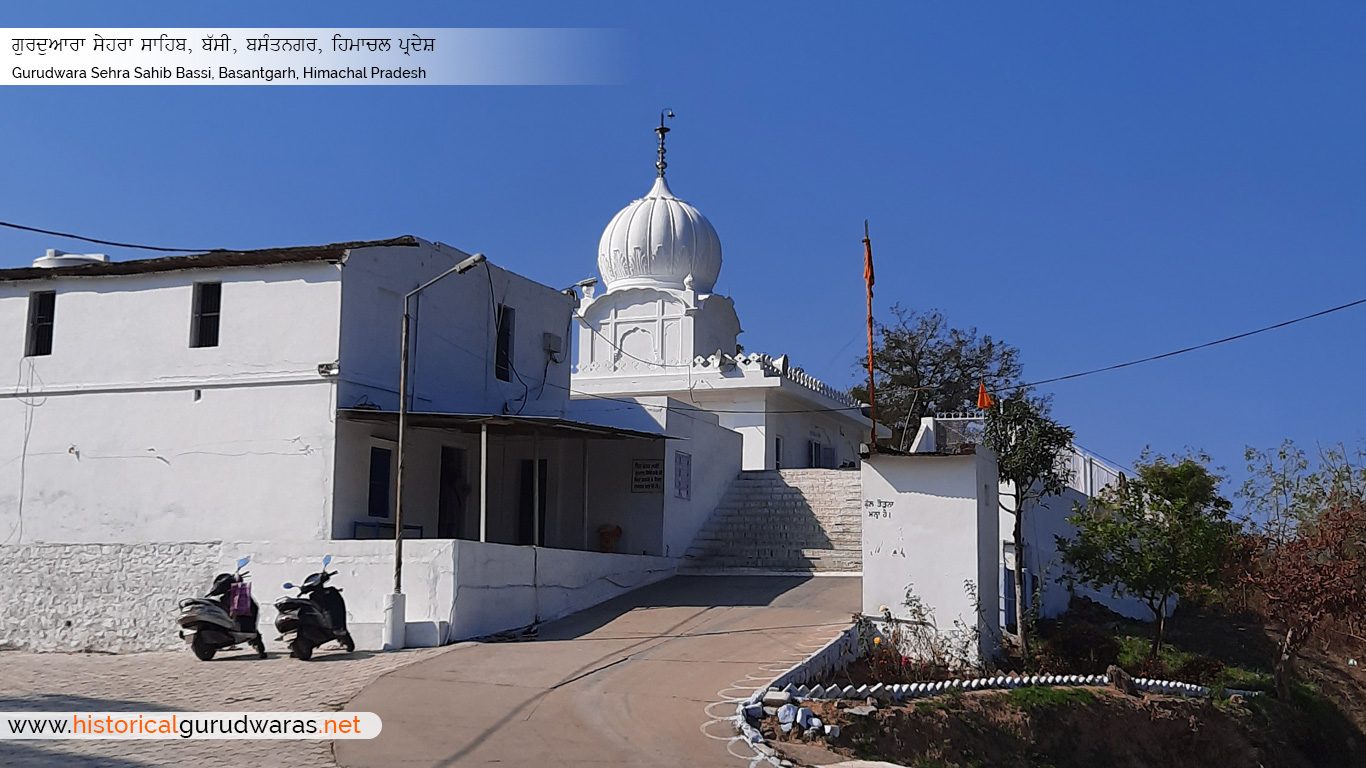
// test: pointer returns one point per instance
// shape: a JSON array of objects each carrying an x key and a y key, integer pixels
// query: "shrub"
[
  {"x": 1080, "y": 648},
  {"x": 1200, "y": 668}
]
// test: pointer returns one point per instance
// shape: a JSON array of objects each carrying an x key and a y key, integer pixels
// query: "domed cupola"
[{"x": 660, "y": 241}]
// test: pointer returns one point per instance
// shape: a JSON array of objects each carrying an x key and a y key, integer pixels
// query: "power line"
[
  {"x": 1206, "y": 345},
  {"x": 1055, "y": 379},
  {"x": 113, "y": 243},
  {"x": 629, "y": 401},
  {"x": 498, "y": 327},
  {"x": 613, "y": 345}
]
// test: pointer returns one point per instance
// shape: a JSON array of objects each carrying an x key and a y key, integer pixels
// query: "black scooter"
[
  {"x": 316, "y": 616},
  {"x": 208, "y": 626}
]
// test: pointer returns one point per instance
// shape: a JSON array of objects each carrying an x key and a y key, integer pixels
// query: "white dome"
[{"x": 658, "y": 241}]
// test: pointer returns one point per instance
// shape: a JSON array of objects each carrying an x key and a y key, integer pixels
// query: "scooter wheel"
[
  {"x": 300, "y": 649},
  {"x": 202, "y": 650},
  {"x": 348, "y": 643}
]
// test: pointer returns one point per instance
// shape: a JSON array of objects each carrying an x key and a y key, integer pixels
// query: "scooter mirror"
[
  {"x": 243, "y": 562},
  {"x": 326, "y": 559},
  {"x": 288, "y": 585}
]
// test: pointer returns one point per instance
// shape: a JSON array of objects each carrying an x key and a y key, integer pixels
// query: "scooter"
[
  {"x": 316, "y": 616},
  {"x": 225, "y": 617}
]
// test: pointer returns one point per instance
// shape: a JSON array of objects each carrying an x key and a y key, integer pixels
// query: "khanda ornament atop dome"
[{"x": 660, "y": 241}]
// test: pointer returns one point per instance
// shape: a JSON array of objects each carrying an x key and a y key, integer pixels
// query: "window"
[
  {"x": 814, "y": 454},
  {"x": 380, "y": 459},
  {"x": 502, "y": 357},
  {"x": 531, "y": 514},
  {"x": 41, "y": 307},
  {"x": 1009, "y": 607},
  {"x": 208, "y": 298}
]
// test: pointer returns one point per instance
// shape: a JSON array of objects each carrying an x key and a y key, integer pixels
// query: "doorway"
[
  {"x": 455, "y": 488},
  {"x": 531, "y": 516}
]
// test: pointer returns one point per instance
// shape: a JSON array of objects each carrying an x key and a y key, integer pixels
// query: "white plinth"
[{"x": 395, "y": 625}]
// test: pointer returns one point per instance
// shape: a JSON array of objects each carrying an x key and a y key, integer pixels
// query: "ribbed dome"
[{"x": 658, "y": 241}]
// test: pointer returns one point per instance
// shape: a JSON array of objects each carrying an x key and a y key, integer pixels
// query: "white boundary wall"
[
  {"x": 930, "y": 522},
  {"x": 504, "y": 587},
  {"x": 124, "y": 597},
  {"x": 99, "y": 597}
]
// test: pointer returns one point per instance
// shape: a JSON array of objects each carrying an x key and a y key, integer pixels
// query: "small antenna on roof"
[{"x": 661, "y": 130}]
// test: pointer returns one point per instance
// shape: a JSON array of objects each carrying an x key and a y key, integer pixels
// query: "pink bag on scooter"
[{"x": 239, "y": 599}]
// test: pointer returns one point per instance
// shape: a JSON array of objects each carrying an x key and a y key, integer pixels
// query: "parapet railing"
[
  {"x": 962, "y": 432},
  {"x": 755, "y": 361}
]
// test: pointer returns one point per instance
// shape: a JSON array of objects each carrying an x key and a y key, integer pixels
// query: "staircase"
[{"x": 799, "y": 520}]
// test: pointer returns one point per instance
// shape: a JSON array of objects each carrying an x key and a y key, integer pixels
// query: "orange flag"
[
  {"x": 984, "y": 400},
  {"x": 867, "y": 260}
]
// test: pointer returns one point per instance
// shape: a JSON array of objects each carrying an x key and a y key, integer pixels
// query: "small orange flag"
[
  {"x": 868, "y": 261},
  {"x": 984, "y": 400}
]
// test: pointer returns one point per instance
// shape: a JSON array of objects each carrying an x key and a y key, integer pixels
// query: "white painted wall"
[
  {"x": 115, "y": 598},
  {"x": 612, "y": 501},
  {"x": 365, "y": 574},
  {"x": 502, "y": 587},
  {"x": 760, "y": 414},
  {"x": 799, "y": 421},
  {"x": 453, "y": 334},
  {"x": 125, "y": 433},
  {"x": 244, "y": 462},
  {"x": 745, "y": 412},
  {"x": 626, "y": 330},
  {"x": 648, "y": 341},
  {"x": 716, "y": 455},
  {"x": 1044, "y": 522},
  {"x": 132, "y": 332},
  {"x": 461, "y": 589},
  {"x": 47, "y": 602},
  {"x": 930, "y": 523}
]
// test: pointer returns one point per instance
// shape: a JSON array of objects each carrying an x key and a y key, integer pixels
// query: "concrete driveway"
[
  {"x": 177, "y": 681},
  {"x": 646, "y": 679}
]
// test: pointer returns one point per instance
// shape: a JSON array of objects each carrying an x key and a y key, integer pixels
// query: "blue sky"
[{"x": 1092, "y": 182}]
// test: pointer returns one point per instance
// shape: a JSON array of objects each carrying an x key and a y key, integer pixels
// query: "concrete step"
[
  {"x": 724, "y": 527},
  {"x": 787, "y": 520},
  {"x": 778, "y": 563}
]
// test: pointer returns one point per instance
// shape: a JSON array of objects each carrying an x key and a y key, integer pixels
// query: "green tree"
[
  {"x": 1155, "y": 536},
  {"x": 1284, "y": 491},
  {"x": 923, "y": 367},
  {"x": 1031, "y": 450}
]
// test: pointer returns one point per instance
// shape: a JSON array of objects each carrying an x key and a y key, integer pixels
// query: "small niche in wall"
[{"x": 198, "y": 395}]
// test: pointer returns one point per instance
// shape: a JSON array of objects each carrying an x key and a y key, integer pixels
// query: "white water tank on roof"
[{"x": 56, "y": 258}]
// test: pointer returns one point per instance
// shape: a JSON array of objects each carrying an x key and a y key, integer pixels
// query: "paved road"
[
  {"x": 646, "y": 679},
  {"x": 45, "y": 682}
]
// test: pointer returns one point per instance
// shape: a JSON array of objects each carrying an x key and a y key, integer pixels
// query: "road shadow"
[
  {"x": 33, "y": 754},
  {"x": 677, "y": 592},
  {"x": 340, "y": 655},
  {"x": 19, "y": 754},
  {"x": 70, "y": 702}
]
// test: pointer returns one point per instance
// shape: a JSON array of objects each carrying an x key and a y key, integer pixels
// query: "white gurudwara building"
[{"x": 659, "y": 328}]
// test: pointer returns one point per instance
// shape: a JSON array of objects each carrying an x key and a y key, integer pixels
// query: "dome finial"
[{"x": 661, "y": 130}]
